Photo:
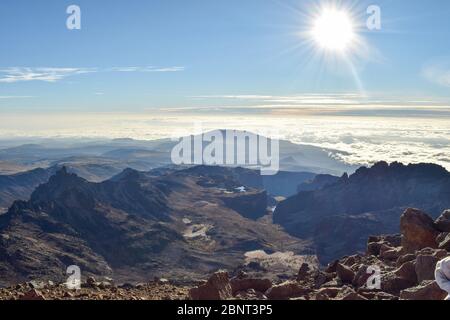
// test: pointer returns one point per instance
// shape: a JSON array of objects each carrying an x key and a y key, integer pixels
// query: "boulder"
[
  {"x": 345, "y": 273},
  {"x": 418, "y": 231},
  {"x": 349, "y": 261},
  {"x": 260, "y": 285},
  {"x": 331, "y": 268},
  {"x": 327, "y": 293},
  {"x": 373, "y": 248},
  {"x": 405, "y": 258},
  {"x": 347, "y": 293},
  {"x": 218, "y": 287},
  {"x": 33, "y": 294},
  {"x": 286, "y": 290},
  {"x": 389, "y": 253},
  {"x": 320, "y": 278},
  {"x": 303, "y": 272},
  {"x": 407, "y": 271},
  {"x": 395, "y": 281},
  {"x": 425, "y": 267},
  {"x": 427, "y": 290},
  {"x": 443, "y": 222},
  {"x": 361, "y": 277}
]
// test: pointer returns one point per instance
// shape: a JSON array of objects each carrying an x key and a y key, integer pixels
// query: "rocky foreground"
[
  {"x": 93, "y": 290},
  {"x": 406, "y": 263}
]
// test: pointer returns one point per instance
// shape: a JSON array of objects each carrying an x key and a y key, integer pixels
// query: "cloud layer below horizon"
[{"x": 354, "y": 140}]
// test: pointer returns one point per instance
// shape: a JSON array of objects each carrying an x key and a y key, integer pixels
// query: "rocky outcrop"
[
  {"x": 418, "y": 230},
  {"x": 137, "y": 226},
  {"x": 218, "y": 287},
  {"x": 388, "y": 271},
  {"x": 427, "y": 290},
  {"x": 372, "y": 276},
  {"x": 339, "y": 216}
]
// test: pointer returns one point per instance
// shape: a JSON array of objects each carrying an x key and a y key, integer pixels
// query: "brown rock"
[
  {"x": 407, "y": 271},
  {"x": 345, "y": 273},
  {"x": 425, "y": 267},
  {"x": 286, "y": 290},
  {"x": 389, "y": 253},
  {"x": 303, "y": 272},
  {"x": 405, "y": 258},
  {"x": 349, "y": 261},
  {"x": 393, "y": 284},
  {"x": 218, "y": 287},
  {"x": 417, "y": 230},
  {"x": 331, "y": 268},
  {"x": 373, "y": 248},
  {"x": 239, "y": 285},
  {"x": 427, "y": 290},
  {"x": 327, "y": 293},
  {"x": 361, "y": 277},
  {"x": 33, "y": 294},
  {"x": 443, "y": 222}
]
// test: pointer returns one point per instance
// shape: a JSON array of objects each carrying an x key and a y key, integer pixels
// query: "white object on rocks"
[{"x": 443, "y": 275}]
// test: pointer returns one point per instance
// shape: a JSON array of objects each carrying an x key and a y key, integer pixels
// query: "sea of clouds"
[{"x": 354, "y": 138}]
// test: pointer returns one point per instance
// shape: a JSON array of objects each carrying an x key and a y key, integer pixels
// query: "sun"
[{"x": 333, "y": 30}]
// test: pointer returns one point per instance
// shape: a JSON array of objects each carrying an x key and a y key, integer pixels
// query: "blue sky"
[{"x": 132, "y": 56}]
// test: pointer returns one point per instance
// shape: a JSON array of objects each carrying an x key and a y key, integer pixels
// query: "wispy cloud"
[
  {"x": 15, "y": 97},
  {"x": 20, "y": 74},
  {"x": 438, "y": 72},
  {"x": 147, "y": 69},
  {"x": 320, "y": 100},
  {"x": 50, "y": 74}
]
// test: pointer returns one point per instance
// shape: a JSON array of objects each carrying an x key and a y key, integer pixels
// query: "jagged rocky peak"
[
  {"x": 58, "y": 184},
  {"x": 383, "y": 168},
  {"x": 339, "y": 215},
  {"x": 127, "y": 174}
]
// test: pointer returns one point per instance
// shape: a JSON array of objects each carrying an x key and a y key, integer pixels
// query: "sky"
[
  {"x": 149, "y": 69},
  {"x": 136, "y": 56}
]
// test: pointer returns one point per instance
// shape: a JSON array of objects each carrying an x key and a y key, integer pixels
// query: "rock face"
[
  {"x": 319, "y": 182},
  {"x": 341, "y": 215},
  {"x": 19, "y": 186},
  {"x": 418, "y": 230},
  {"x": 250, "y": 205}
]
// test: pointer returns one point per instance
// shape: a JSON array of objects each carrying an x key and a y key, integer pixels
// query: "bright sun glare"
[{"x": 333, "y": 30}]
